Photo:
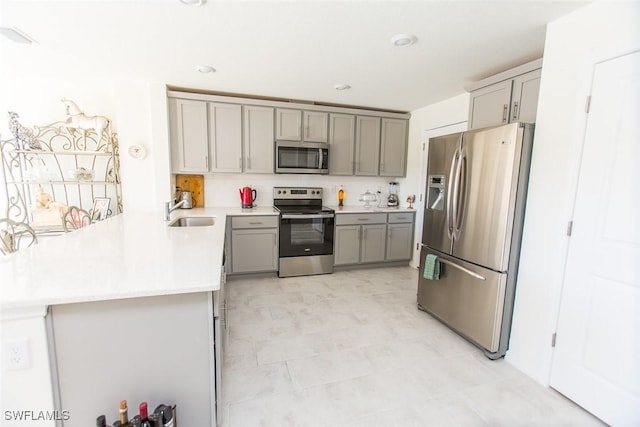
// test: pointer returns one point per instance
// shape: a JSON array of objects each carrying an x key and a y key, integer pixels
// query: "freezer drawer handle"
[{"x": 466, "y": 270}]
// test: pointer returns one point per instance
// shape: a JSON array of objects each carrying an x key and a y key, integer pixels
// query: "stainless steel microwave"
[{"x": 302, "y": 157}]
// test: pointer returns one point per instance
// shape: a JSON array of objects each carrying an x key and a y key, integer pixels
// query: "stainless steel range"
[{"x": 306, "y": 231}]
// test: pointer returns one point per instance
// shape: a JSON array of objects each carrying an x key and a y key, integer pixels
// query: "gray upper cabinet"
[
  {"x": 342, "y": 134},
  {"x": 189, "y": 133},
  {"x": 225, "y": 137},
  {"x": 393, "y": 147},
  {"x": 221, "y": 134},
  {"x": 298, "y": 125},
  {"x": 288, "y": 124},
  {"x": 258, "y": 139},
  {"x": 489, "y": 106},
  {"x": 367, "y": 158},
  {"x": 315, "y": 126},
  {"x": 524, "y": 101},
  {"x": 515, "y": 99}
]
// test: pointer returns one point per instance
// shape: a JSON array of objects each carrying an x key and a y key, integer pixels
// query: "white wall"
[{"x": 573, "y": 44}]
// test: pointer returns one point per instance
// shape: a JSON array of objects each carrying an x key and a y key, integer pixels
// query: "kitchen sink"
[{"x": 193, "y": 221}]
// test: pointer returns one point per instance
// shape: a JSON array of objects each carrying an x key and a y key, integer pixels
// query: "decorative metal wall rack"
[{"x": 45, "y": 169}]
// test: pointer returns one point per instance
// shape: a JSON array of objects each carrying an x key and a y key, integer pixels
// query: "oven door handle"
[{"x": 308, "y": 216}]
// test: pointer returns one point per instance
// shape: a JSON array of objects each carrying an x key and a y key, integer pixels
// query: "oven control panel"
[{"x": 293, "y": 193}]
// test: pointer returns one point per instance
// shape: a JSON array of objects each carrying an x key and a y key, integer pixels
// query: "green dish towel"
[{"x": 431, "y": 267}]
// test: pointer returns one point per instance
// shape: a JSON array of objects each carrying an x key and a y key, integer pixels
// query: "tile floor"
[{"x": 351, "y": 349}]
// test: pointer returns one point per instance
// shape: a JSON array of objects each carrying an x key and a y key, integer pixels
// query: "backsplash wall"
[{"x": 221, "y": 190}]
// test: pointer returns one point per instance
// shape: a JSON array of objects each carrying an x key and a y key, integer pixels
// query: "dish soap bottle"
[{"x": 340, "y": 197}]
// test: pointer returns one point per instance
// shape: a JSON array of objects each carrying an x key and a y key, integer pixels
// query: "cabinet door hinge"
[
  {"x": 553, "y": 340},
  {"x": 569, "y": 228},
  {"x": 587, "y": 104}
]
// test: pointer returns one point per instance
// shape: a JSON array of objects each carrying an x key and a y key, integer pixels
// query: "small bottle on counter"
[
  {"x": 144, "y": 415},
  {"x": 124, "y": 414},
  {"x": 101, "y": 421},
  {"x": 341, "y": 197}
]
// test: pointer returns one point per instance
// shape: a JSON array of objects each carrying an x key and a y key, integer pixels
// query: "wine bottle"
[
  {"x": 167, "y": 415},
  {"x": 156, "y": 420},
  {"x": 124, "y": 414},
  {"x": 101, "y": 421},
  {"x": 144, "y": 415}
]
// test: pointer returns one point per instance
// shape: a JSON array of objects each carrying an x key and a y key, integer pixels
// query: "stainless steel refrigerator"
[{"x": 473, "y": 215}]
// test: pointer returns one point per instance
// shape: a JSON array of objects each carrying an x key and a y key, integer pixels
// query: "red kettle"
[{"x": 247, "y": 196}]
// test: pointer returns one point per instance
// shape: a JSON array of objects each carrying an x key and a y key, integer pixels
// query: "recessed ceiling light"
[
  {"x": 193, "y": 2},
  {"x": 204, "y": 69},
  {"x": 403, "y": 40},
  {"x": 342, "y": 86},
  {"x": 15, "y": 35}
]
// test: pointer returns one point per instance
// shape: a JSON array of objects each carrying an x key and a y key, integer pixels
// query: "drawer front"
[
  {"x": 360, "y": 219},
  {"x": 395, "y": 218},
  {"x": 254, "y": 221}
]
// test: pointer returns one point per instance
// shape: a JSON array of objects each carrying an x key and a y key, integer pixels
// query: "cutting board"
[{"x": 195, "y": 184}]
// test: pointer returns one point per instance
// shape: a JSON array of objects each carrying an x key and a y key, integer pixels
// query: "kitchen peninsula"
[{"x": 130, "y": 306}]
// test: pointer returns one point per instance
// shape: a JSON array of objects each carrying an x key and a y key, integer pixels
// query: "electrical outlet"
[{"x": 17, "y": 354}]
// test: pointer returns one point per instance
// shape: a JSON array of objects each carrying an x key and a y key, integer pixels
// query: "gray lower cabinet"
[
  {"x": 347, "y": 244},
  {"x": 254, "y": 244},
  {"x": 399, "y": 239},
  {"x": 373, "y": 243},
  {"x": 373, "y": 237},
  {"x": 360, "y": 238}
]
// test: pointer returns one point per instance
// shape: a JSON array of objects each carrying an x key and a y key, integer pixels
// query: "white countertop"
[
  {"x": 130, "y": 255},
  {"x": 362, "y": 209}
]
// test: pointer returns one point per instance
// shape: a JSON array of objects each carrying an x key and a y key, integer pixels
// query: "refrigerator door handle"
[
  {"x": 456, "y": 194},
  {"x": 461, "y": 190},
  {"x": 459, "y": 267},
  {"x": 450, "y": 195}
]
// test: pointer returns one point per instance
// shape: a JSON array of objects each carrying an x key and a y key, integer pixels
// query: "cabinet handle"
[
  {"x": 364, "y": 237},
  {"x": 515, "y": 110},
  {"x": 248, "y": 162},
  {"x": 363, "y": 219},
  {"x": 255, "y": 223},
  {"x": 206, "y": 162},
  {"x": 505, "y": 107},
  {"x": 381, "y": 167},
  {"x": 240, "y": 162}
]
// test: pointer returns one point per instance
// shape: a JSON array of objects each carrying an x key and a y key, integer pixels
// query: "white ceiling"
[{"x": 286, "y": 49}]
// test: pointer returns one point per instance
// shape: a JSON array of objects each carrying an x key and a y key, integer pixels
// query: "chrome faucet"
[{"x": 168, "y": 209}]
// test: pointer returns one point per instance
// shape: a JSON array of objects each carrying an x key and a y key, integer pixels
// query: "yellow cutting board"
[{"x": 195, "y": 184}]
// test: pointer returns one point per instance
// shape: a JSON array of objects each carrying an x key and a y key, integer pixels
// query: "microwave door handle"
[{"x": 320, "y": 158}]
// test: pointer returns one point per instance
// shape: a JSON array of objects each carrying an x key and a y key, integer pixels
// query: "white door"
[{"x": 596, "y": 361}]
